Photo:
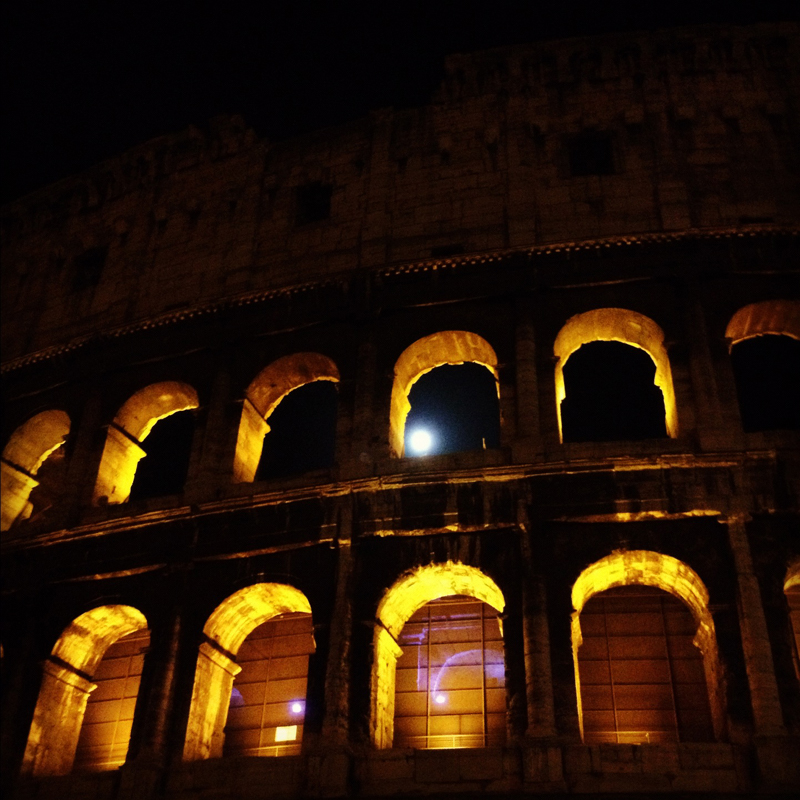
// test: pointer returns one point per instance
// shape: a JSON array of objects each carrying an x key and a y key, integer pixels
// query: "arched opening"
[
  {"x": 399, "y": 604},
  {"x": 89, "y": 657},
  {"x": 450, "y": 680},
  {"x": 305, "y": 423},
  {"x": 611, "y": 395},
  {"x": 268, "y": 699},
  {"x": 641, "y": 676},
  {"x": 31, "y": 445},
  {"x": 628, "y": 328},
  {"x": 426, "y": 354},
  {"x": 765, "y": 357},
  {"x": 457, "y": 407},
  {"x": 645, "y": 651},
  {"x": 262, "y": 718},
  {"x": 302, "y": 435},
  {"x": 125, "y": 448}
]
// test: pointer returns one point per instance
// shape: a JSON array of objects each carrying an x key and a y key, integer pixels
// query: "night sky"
[{"x": 84, "y": 81}]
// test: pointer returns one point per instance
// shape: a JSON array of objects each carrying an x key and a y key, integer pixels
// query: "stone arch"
[
  {"x": 648, "y": 568},
  {"x": 778, "y": 317},
  {"x": 791, "y": 589},
  {"x": 130, "y": 428},
  {"x": 616, "y": 325},
  {"x": 26, "y": 451},
  {"x": 225, "y": 630},
  {"x": 408, "y": 594},
  {"x": 67, "y": 684},
  {"x": 436, "y": 350},
  {"x": 264, "y": 393}
]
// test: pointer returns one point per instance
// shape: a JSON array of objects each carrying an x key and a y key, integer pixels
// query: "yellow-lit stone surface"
[
  {"x": 65, "y": 690},
  {"x": 133, "y": 423},
  {"x": 780, "y": 317},
  {"x": 436, "y": 350},
  {"x": 227, "y": 627},
  {"x": 623, "y": 568},
  {"x": 267, "y": 389},
  {"x": 27, "y": 449},
  {"x": 617, "y": 325},
  {"x": 409, "y": 593}
]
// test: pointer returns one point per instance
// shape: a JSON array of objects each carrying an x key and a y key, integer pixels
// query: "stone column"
[
  {"x": 767, "y": 715},
  {"x": 528, "y": 439},
  {"x": 363, "y": 451},
  {"x": 536, "y": 634},
  {"x": 336, "y": 723}
]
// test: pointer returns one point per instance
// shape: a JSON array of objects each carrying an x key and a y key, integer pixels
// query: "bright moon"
[{"x": 420, "y": 441}]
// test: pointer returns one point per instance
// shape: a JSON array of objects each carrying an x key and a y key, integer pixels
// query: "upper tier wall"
[{"x": 700, "y": 125}]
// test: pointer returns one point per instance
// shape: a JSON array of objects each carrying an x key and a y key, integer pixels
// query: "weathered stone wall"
[{"x": 701, "y": 123}]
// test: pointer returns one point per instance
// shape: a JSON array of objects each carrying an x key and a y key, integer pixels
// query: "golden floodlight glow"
[
  {"x": 408, "y": 594},
  {"x": 131, "y": 426},
  {"x": 228, "y": 626},
  {"x": 780, "y": 317},
  {"x": 267, "y": 389},
  {"x": 26, "y": 451},
  {"x": 445, "y": 347},
  {"x": 616, "y": 325},
  {"x": 647, "y": 568},
  {"x": 62, "y": 700}
]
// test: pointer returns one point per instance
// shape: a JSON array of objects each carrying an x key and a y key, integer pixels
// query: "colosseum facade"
[{"x": 568, "y": 603}]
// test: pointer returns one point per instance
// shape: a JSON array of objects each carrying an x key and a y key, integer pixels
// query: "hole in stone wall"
[
  {"x": 313, "y": 202},
  {"x": 302, "y": 435},
  {"x": 87, "y": 268},
  {"x": 610, "y": 395},
  {"x": 591, "y": 153},
  {"x": 268, "y": 700},
  {"x": 106, "y": 729},
  {"x": 642, "y": 679},
  {"x": 168, "y": 446},
  {"x": 450, "y": 679},
  {"x": 767, "y": 373},
  {"x": 458, "y": 406}
]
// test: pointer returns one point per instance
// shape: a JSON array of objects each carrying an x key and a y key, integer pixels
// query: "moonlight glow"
[{"x": 420, "y": 441}]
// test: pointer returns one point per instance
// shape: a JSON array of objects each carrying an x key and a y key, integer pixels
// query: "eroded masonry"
[{"x": 450, "y": 452}]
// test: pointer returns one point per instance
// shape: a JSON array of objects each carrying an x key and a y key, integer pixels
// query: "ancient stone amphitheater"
[{"x": 598, "y": 593}]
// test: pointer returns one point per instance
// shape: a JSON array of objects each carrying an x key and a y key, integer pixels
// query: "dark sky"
[{"x": 87, "y": 79}]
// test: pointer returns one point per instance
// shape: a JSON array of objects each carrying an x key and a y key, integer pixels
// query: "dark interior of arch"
[
  {"x": 302, "y": 435},
  {"x": 51, "y": 476},
  {"x": 610, "y": 395},
  {"x": 767, "y": 372},
  {"x": 458, "y": 405},
  {"x": 168, "y": 446}
]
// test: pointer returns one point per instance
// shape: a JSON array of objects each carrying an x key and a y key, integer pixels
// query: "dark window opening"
[
  {"x": 610, "y": 395},
  {"x": 591, "y": 154},
  {"x": 302, "y": 435},
  {"x": 458, "y": 406},
  {"x": 642, "y": 677},
  {"x": 313, "y": 202},
  {"x": 168, "y": 446},
  {"x": 767, "y": 373},
  {"x": 88, "y": 267}
]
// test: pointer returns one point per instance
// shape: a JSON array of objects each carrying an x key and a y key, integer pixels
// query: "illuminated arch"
[
  {"x": 227, "y": 627},
  {"x": 436, "y": 350},
  {"x": 26, "y": 451},
  {"x": 791, "y": 588},
  {"x": 66, "y": 685},
  {"x": 617, "y": 325},
  {"x": 409, "y": 593},
  {"x": 647, "y": 568},
  {"x": 779, "y": 317},
  {"x": 268, "y": 388},
  {"x": 130, "y": 428}
]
